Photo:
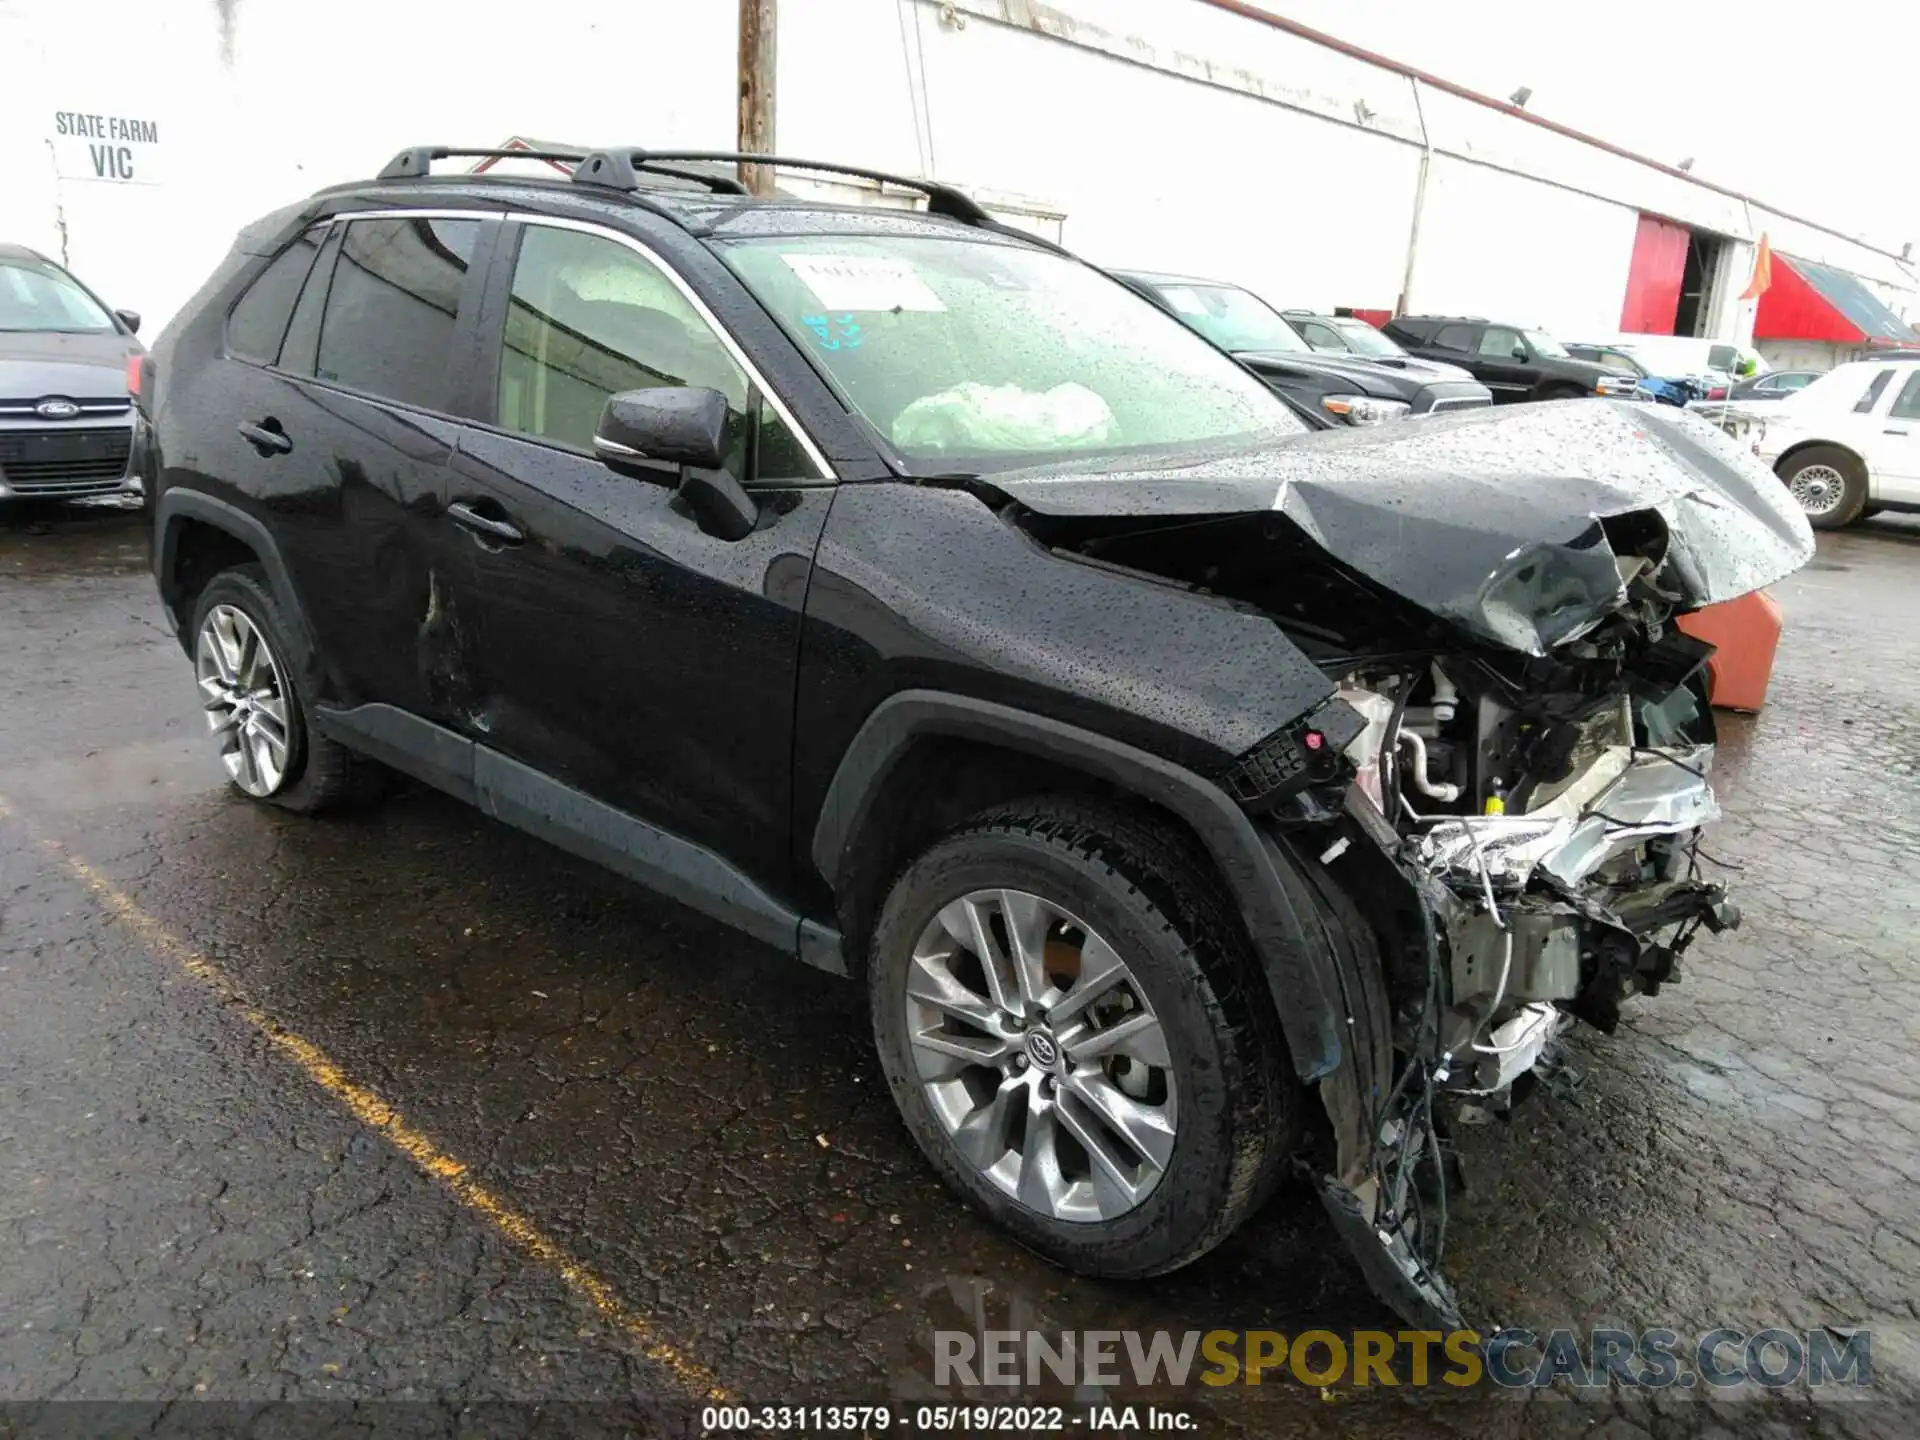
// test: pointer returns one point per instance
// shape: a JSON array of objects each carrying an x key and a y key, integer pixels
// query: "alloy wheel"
[
  {"x": 1040, "y": 1055},
  {"x": 1818, "y": 489},
  {"x": 245, "y": 698}
]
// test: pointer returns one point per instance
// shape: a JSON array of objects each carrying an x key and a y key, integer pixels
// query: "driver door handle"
[
  {"x": 498, "y": 531},
  {"x": 266, "y": 441}
]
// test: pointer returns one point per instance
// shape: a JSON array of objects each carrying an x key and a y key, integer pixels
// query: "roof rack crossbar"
[
  {"x": 417, "y": 160},
  {"x": 618, "y": 169}
]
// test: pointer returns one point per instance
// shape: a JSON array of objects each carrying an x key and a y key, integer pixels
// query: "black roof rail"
[
  {"x": 625, "y": 169},
  {"x": 621, "y": 170},
  {"x": 417, "y": 160}
]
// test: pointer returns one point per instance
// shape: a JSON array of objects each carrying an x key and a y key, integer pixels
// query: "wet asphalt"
[{"x": 195, "y": 1207}]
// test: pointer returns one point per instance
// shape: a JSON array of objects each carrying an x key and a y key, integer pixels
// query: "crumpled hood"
[{"x": 1487, "y": 518}]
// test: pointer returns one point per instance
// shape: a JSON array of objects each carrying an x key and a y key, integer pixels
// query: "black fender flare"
[
  {"x": 175, "y": 505},
  {"x": 1301, "y": 974}
]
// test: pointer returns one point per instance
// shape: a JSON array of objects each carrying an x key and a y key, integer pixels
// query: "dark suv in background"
[
  {"x": 1514, "y": 362},
  {"x": 1352, "y": 389},
  {"x": 67, "y": 423},
  {"x": 917, "y": 599}
]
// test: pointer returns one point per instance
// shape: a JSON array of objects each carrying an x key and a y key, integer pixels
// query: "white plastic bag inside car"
[{"x": 975, "y": 418}]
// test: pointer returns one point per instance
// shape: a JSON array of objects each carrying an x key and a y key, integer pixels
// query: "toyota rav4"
[{"x": 1196, "y": 795}]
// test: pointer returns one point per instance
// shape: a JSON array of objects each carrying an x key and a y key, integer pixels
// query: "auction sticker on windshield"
[{"x": 863, "y": 282}]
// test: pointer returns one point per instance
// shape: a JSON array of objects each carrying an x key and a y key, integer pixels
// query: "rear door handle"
[
  {"x": 498, "y": 531},
  {"x": 267, "y": 441},
  {"x": 1893, "y": 432}
]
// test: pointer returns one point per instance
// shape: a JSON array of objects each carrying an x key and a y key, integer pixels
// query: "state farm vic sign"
[{"x": 94, "y": 145}]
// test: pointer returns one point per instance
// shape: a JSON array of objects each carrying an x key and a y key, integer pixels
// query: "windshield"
[
  {"x": 972, "y": 355},
  {"x": 1234, "y": 319},
  {"x": 37, "y": 296},
  {"x": 1363, "y": 339},
  {"x": 1547, "y": 345}
]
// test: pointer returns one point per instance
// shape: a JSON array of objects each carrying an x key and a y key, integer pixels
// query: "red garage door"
[{"x": 1653, "y": 281}]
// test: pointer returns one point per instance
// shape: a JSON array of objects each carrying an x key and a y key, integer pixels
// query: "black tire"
[
  {"x": 1148, "y": 890},
  {"x": 1853, "y": 492},
  {"x": 320, "y": 773}
]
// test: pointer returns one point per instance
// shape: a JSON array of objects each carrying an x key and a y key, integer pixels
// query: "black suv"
[
  {"x": 931, "y": 607},
  {"x": 1514, "y": 362},
  {"x": 1343, "y": 389}
]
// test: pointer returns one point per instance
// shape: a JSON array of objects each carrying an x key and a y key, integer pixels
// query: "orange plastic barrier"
[{"x": 1746, "y": 632}]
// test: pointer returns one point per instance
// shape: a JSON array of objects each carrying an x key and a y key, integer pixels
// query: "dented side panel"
[{"x": 354, "y": 506}]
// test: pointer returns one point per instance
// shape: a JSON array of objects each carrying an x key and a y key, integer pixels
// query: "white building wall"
[
  {"x": 1151, "y": 171},
  {"x": 289, "y": 97},
  {"x": 1162, "y": 134}
]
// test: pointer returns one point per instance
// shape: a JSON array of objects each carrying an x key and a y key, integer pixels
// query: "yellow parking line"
[{"x": 378, "y": 1114}]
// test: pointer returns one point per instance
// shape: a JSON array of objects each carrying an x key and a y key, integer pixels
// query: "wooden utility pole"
[{"x": 758, "y": 28}]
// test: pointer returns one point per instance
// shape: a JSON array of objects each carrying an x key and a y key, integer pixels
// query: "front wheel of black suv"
[
  {"x": 255, "y": 706},
  {"x": 1078, "y": 1037}
]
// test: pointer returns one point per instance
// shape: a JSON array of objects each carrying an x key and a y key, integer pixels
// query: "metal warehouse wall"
[
  {"x": 1499, "y": 245},
  {"x": 1167, "y": 134}
]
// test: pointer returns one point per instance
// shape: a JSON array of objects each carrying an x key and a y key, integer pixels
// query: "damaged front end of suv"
[{"x": 1504, "y": 790}]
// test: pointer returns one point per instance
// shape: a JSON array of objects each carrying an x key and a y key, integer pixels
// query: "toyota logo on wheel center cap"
[
  {"x": 1042, "y": 1050},
  {"x": 56, "y": 408}
]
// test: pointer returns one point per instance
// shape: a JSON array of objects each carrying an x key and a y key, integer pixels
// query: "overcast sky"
[{"x": 1808, "y": 106}]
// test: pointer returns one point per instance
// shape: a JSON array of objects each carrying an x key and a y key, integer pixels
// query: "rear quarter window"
[{"x": 258, "y": 321}]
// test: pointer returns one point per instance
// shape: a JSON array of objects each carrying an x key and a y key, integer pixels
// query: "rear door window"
[
  {"x": 1458, "y": 338},
  {"x": 1906, "y": 405},
  {"x": 259, "y": 318},
  {"x": 1864, "y": 405},
  {"x": 388, "y": 328}
]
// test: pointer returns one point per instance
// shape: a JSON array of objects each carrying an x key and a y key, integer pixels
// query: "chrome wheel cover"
[
  {"x": 245, "y": 698},
  {"x": 1818, "y": 489},
  {"x": 1040, "y": 1056}
]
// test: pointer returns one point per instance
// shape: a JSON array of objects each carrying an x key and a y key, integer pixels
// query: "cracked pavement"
[{"x": 700, "y": 1124}]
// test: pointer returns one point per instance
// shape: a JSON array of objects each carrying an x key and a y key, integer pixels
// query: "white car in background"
[{"x": 1849, "y": 444}]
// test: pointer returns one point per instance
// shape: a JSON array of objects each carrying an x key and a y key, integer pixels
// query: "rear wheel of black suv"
[
  {"x": 255, "y": 705},
  {"x": 1078, "y": 1037}
]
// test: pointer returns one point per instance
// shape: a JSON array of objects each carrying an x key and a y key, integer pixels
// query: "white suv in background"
[{"x": 1848, "y": 445}]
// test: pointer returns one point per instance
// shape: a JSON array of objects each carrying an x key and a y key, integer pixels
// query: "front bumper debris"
[
  {"x": 1537, "y": 918},
  {"x": 1628, "y": 796}
]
